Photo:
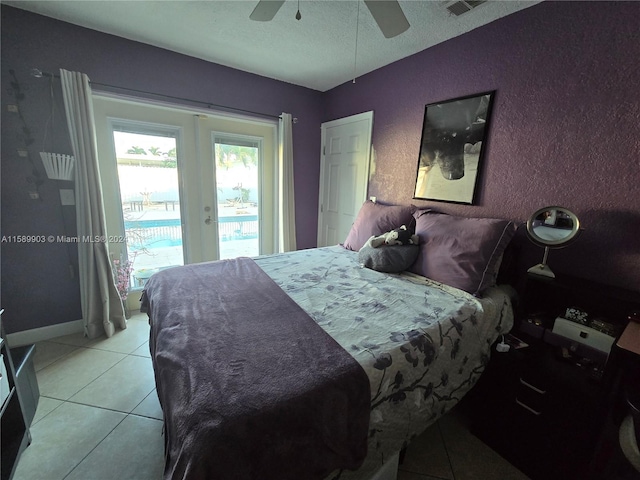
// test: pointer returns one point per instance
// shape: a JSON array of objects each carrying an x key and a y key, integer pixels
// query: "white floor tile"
[
  {"x": 74, "y": 339},
  {"x": 72, "y": 373},
  {"x": 470, "y": 458},
  {"x": 46, "y": 405},
  {"x": 122, "y": 387},
  {"x": 136, "y": 315},
  {"x": 48, "y": 352},
  {"x": 150, "y": 407},
  {"x": 127, "y": 340},
  {"x": 62, "y": 439},
  {"x": 133, "y": 451},
  {"x": 427, "y": 455},
  {"x": 142, "y": 351}
]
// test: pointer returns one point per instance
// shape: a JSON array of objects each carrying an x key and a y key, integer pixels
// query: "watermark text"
[{"x": 63, "y": 239}]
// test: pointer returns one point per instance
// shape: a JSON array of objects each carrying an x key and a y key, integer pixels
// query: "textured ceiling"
[{"x": 318, "y": 51}]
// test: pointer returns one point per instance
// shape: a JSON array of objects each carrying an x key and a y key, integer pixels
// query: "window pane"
[
  {"x": 237, "y": 189},
  {"x": 149, "y": 193}
]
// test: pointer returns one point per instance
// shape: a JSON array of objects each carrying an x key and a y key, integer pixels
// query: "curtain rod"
[{"x": 36, "y": 72}]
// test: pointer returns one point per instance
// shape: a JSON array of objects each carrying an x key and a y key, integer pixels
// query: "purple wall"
[
  {"x": 564, "y": 130},
  {"x": 37, "y": 289}
]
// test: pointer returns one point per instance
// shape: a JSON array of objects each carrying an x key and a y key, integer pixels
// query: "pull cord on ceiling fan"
[{"x": 387, "y": 13}]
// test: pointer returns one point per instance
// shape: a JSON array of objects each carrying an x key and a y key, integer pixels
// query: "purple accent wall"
[
  {"x": 564, "y": 130},
  {"x": 37, "y": 289}
]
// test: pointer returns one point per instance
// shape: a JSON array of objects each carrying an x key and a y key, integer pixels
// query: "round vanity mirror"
[{"x": 551, "y": 227}]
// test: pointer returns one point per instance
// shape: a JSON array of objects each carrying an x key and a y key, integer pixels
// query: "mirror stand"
[
  {"x": 542, "y": 268},
  {"x": 551, "y": 227}
]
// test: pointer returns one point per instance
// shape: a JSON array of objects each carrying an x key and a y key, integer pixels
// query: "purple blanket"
[{"x": 250, "y": 386}]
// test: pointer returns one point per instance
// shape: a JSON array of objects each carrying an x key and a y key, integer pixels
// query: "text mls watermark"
[{"x": 63, "y": 239}]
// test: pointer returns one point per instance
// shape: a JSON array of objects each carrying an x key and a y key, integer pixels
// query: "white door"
[
  {"x": 144, "y": 153},
  {"x": 184, "y": 187},
  {"x": 344, "y": 175},
  {"x": 237, "y": 179}
]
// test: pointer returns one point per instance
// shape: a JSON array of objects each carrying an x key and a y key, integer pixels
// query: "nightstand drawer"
[
  {"x": 535, "y": 387},
  {"x": 531, "y": 398}
]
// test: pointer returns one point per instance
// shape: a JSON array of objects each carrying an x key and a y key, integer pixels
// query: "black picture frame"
[{"x": 452, "y": 146}]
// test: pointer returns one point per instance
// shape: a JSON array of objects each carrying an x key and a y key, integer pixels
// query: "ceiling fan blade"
[
  {"x": 265, "y": 10},
  {"x": 389, "y": 16}
]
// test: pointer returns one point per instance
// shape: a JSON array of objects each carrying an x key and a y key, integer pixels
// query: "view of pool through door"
[
  {"x": 237, "y": 166},
  {"x": 185, "y": 187},
  {"x": 150, "y": 200}
]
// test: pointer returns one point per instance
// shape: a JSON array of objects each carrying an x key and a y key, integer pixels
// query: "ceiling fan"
[{"x": 387, "y": 14}]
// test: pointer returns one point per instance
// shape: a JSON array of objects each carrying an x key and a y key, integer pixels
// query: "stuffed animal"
[{"x": 399, "y": 236}]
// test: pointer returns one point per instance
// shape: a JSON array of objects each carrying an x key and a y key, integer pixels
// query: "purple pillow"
[
  {"x": 461, "y": 252},
  {"x": 376, "y": 219}
]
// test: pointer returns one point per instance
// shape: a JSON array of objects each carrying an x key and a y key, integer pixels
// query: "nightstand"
[{"x": 544, "y": 407}]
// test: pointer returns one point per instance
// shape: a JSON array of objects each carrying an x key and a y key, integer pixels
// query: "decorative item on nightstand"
[
  {"x": 587, "y": 335},
  {"x": 551, "y": 227},
  {"x": 578, "y": 326}
]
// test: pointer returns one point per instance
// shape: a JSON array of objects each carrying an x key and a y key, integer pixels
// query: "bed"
[{"x": 306, "y": 365}]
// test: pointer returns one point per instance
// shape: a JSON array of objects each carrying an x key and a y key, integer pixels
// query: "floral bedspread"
[{"x": 422, "y": 344}]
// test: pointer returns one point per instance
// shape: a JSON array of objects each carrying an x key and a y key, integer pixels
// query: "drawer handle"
[
  {"x": 527, "y": 407},
  {"x": 526, "y": 384}
]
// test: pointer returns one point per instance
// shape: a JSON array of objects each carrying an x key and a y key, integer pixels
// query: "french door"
[
  {"x": 184, "y": 187},
  {"x": 149, "y": 195},
  {"x": 237, "y": 160}
]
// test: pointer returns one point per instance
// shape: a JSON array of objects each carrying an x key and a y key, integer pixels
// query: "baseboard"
[{"x": 35, "y": 335}]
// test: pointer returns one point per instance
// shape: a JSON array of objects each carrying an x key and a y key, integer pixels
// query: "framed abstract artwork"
[{"x": 451, "y": 148}]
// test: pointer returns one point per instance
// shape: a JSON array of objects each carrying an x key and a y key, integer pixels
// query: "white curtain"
[
  {"x": 287, "y": 213},
  {"x": 102, "y": 309}
]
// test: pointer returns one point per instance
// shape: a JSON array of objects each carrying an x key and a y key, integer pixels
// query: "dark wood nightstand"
[{"x": 545, "y": 407}]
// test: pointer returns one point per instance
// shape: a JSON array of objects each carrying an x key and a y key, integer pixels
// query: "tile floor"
[{"x": 99, "y": 419}]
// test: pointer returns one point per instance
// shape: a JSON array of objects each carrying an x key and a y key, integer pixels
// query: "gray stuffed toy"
[
  {"x": 391, "y": 252},
  {"x": 399, "y": 236}
]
